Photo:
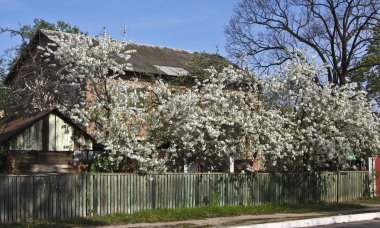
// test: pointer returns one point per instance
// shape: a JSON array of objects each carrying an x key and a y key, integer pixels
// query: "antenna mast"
[
  {"x": 125, "y": 31},
  {"x": 105, "y": 33}
]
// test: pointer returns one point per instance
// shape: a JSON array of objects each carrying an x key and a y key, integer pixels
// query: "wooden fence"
[{"x": 60, "y": 196}]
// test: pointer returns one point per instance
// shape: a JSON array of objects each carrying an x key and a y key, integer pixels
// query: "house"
[
  {"x": 149, "y": 63},
  {"x": 47, "y": 141}
]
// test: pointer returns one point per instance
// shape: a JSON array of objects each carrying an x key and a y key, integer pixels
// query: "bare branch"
[{"x": 264, "y": 32}]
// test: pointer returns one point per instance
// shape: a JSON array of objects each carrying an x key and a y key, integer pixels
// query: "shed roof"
[{"x": 17, "y": 126}]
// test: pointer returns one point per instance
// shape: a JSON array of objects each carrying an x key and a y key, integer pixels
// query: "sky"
[{"x": 196, "y": 25}]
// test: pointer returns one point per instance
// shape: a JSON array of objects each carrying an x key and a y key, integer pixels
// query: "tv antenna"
[
  {"x": 125, "y": 32},
  {"x": 105, "y": 33}
]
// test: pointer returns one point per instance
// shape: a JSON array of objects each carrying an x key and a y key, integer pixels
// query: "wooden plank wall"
[
  {"x": 60, "y": 196},
  {"x": 25, "y": 162},
  {"x": 29, "y": 139}
]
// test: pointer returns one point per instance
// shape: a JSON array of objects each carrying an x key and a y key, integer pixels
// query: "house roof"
[
  {"x": 14, "y": 127},
  {"x": 147, "y": 59}
]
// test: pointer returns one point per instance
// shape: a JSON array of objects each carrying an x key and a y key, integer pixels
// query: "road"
[{"x": 364, "y": 224}]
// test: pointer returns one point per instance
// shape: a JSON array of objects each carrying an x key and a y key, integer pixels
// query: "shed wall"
[
  {"x": 47, "y": 146},
  {"x": 29, "y": 139},
  {"x": 61, "y": 137}
]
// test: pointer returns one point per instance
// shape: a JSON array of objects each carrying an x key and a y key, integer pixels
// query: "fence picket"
[{"x": 58, "y": 196}]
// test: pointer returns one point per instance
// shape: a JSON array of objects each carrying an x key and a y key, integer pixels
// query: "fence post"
[
  {"x": 372, "y": 176},
  {"x": 34, "y": 196},
  {"x": 154, "y": 190}
]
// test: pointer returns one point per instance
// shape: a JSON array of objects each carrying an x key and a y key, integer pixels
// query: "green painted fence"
[{"x": 59, "y": 196}]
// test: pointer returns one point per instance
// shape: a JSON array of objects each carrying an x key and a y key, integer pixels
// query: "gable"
[
  {"x": 48, "y": 131},
  {"x": 51, "y": 133}
]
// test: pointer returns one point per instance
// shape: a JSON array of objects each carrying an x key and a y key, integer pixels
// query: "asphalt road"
[{"x": 372, "y": 223}]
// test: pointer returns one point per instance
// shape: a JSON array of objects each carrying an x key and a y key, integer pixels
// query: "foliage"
[
  {"x": 2, "y": 70},
  {"x": 107, "y": 162},
  {"x": 199, "y": 63},
  {"x": 3, "y": 159},
  {"x": 3, "y": 96},
  {"x": 368, "y": 76},
  {"x": 27, "y": 32},
  {"x": 38, "y": 89},
  {"x": 268, "y": 33}
]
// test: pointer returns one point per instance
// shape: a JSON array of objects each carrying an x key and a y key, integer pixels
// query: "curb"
[{"x": 317, "y": 221}]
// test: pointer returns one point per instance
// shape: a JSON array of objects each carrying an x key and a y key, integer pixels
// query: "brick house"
[{"x": 148, "y": 62}]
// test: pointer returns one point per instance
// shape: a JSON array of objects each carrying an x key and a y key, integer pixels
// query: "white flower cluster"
[
  {"x": 300, "y": 123},
  {"x": 107, "y": 105},
  {"x": 323, "y": 125},
  {"x": 215, "y": 119}
]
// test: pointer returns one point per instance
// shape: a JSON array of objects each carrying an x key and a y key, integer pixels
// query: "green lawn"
[
  {"x": 375, "y": 200},
  {"x": 165, "y": 215}
]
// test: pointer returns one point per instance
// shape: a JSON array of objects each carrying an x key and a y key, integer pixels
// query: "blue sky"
[{"x": 186, "y": 24}]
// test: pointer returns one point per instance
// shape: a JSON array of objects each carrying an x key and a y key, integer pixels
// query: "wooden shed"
[{"x": 45, "y": 142}]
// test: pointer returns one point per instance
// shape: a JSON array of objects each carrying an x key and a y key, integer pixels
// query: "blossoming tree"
[
  {"x": 326, "y": 125},
  {"x": 298, "y": 124},
  {"x": 216, "y": 119},
  {"x": 107, "y": 105}
]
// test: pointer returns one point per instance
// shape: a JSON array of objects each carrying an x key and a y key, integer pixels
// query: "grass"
[
  {"x": 167, "y": 215},
  {"x": 375, "y": 200}
]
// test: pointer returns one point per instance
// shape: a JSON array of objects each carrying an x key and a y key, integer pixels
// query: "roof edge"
[{"x": 43, "y": 115}]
